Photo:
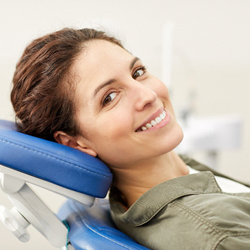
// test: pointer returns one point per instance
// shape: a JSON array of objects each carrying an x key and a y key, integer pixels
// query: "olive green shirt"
[{"x": 188, "y": 212}]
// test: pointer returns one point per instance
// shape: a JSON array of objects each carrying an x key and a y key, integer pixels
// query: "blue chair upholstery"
[
  {"x": 92, "y": 228},
  {"x": 89, "y": 227},
  {"x": 53, "y": 162}
]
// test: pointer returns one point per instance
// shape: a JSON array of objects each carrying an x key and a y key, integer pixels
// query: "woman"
[{"x": 82, "y": 89}]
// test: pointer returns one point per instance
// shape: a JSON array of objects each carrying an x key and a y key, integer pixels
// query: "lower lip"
[{"x": 163, "y": 123}]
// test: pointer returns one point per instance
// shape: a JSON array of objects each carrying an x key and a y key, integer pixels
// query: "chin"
[
  {"x": 175, "y": 139},
  {"x": 181, "y": 135}
]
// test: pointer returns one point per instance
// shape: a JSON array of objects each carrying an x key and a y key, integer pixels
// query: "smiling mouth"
[{"x": 153, "y": 123}]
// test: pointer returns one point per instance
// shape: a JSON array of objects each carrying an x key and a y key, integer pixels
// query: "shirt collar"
[{"x": 150, "y": 203}]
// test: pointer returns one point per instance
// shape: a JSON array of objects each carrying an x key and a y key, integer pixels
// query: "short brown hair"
[{"x": 43, "y": 88}]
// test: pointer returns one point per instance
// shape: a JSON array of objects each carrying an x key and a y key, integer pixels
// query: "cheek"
[
  {"x": 163, "y": 90},
  {"x": 159, "y": 87},
  {"x": 163, "y": 94},
  {"x": 112, "y": 127},
  {"x": 113, "y": 136},
  {"x": 118, "y": 123}
]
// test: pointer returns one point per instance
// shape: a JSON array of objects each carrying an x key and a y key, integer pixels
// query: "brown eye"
[
  {"x": 109, "y": 98},
  {"x": 139, "y": 72}
]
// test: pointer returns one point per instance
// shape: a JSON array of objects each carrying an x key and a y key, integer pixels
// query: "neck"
[{"x": 136, "y": 180}]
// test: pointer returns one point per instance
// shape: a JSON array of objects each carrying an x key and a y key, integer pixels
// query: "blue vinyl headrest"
[{"x": 53, "y": 162}]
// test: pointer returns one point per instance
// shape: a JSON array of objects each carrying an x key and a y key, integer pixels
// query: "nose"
[{"x": 143, "y": 96}]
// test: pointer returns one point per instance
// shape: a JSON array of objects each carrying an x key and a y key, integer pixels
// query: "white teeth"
[
  {"x": 158, "y": 120},
  {"x": 155, "y": 121}
]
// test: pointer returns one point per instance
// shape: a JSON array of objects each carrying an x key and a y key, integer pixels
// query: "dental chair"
[{"x": 83, "y": 221}]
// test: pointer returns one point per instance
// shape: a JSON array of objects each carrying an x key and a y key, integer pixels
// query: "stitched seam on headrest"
[{"x": 69, "y": 163}]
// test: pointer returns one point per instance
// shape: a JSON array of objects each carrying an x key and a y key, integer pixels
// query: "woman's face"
[{"x": 116, "y": 99}]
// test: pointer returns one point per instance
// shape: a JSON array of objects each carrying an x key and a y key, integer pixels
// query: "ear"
[{"x": 73, "y": 142}]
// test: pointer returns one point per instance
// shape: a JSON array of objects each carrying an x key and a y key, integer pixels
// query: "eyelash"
[{"x": 143, "y": 68}]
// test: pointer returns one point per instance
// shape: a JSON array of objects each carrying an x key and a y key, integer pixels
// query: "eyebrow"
[
  {"x": 133, "y": 62},
  {"x": 113, "y": 80}
]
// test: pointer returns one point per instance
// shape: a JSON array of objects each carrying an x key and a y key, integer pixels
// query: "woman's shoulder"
[{"x": 202, "y": 167}]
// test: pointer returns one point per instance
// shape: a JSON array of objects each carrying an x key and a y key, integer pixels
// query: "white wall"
[{"x": 211, "y": 43}]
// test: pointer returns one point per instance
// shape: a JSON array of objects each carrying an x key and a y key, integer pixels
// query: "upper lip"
[{"x": 150, "y": 118}]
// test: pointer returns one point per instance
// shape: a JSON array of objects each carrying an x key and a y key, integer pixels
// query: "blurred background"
[{"x": 200, "y": 49}]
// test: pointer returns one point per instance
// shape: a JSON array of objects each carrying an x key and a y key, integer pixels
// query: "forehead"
[
  {"x": 96, "y": 51},
  {"x": 102, "y": 55}
]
